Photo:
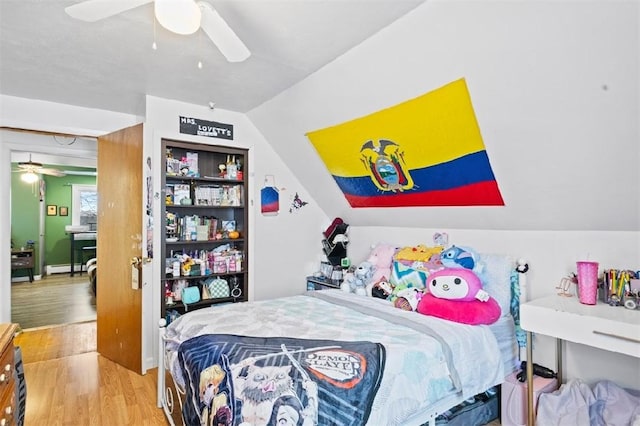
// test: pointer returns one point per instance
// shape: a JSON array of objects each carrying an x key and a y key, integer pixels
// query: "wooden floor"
[
  {"x": 53, "y": 300},
  {"x": 68, "y": 383}
]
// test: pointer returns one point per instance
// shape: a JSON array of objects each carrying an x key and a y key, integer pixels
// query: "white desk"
[
  {"x": 79, "y": 236},
  {"x": 602, "y": 326}
]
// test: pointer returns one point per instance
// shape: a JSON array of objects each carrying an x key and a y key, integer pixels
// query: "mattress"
[{"x": 428, "y": 361}]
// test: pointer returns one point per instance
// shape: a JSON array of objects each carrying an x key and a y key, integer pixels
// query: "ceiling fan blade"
[
  {"x": 222, "y": 35},
  {"x": 94, "y": 10},
  {"x": 51, "y": 172}
]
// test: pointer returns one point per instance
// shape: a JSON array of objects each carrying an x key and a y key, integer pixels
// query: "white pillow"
[{"x": 496, "y": 278}]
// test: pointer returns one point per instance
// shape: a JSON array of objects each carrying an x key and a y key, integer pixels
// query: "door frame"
[{"x": 35, "y": 142}]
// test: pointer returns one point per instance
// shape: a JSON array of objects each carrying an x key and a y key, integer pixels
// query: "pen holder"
[{"x": 587, "y": 282}]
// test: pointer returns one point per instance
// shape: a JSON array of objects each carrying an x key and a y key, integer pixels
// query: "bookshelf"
[{"x": 205, "y": 227}]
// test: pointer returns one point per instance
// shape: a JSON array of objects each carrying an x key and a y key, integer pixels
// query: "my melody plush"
[
  {"x": 456, "y": 294},
  {"x": 356, "y": 281}
]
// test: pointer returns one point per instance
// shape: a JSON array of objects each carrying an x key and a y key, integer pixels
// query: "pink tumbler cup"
[{"x": 587, "y": 282}]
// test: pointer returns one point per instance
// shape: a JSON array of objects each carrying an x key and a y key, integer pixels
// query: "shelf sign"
[{"x": 211, "y": 129}]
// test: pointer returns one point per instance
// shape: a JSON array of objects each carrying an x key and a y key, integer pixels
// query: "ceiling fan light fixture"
[
  {"x": 29, "y": 177},
  {"x": 178, "y": 16}
]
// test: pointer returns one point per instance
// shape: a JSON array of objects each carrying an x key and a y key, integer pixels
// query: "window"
[{"x": 84, "y": 210}]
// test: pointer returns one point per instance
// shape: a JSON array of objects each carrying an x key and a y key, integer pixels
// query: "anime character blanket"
[{"x": 238, "y": 380}]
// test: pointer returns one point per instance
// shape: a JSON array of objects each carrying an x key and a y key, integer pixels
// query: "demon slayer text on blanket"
[{"x": 239, "y": 380}]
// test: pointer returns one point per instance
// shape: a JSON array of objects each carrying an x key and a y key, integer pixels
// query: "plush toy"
[
  {"x": 356, "y": 281},
  {"x": 381, "y": 257},
  {"x": 382, "y": 289},
  {"x": 408, "y": 298},
  {"x": 420, "y": 253},
  {"x": 456, "y": 294},
  {"x": 461, "y": 257}
]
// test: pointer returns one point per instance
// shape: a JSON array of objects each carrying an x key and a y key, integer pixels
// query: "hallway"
[{"x": 55, "y": 299}]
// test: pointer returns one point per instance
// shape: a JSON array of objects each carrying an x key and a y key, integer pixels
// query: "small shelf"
[
  {"x": 194, "y": 242},
  {"x": 202, "y": 277},
  {"x": 334, "y": 247},
  {"x": 204, "y": 179}
]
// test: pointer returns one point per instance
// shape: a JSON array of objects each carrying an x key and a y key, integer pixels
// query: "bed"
[{"x": 328, "y": 357}]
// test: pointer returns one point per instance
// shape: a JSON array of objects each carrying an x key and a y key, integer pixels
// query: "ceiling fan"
[
  {"x": 179, "y": 16},
  {"x": 32, "y": 169}
]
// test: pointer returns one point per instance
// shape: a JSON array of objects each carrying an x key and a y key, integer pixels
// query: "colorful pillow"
[{"x": 403, "y": 276}]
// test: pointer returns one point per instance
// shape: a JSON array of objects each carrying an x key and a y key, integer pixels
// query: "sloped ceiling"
[{"x": 109, "y": 64}]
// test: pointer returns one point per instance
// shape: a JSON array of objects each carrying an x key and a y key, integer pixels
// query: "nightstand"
[
  {"x": 321, "y": 283},
  {"x": 601, "y": 326},
  {"x": 23, "y": 259}
]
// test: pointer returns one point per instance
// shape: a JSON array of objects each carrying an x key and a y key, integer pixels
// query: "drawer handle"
[
  {"x": 8, "y": 411},
  {"x": 3, "y": 378},
  {"x": 630, "y": 339},
  {"x": 7, "y": 368}
]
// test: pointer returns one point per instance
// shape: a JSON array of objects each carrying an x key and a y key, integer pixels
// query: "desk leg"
[
  {"x": 531, "y": 415},
  {"x": 559, "y": 360},
  {"x": 73, "y": 252}
]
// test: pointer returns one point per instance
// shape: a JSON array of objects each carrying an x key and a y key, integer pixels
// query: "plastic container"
[
  {"x": 587, "y": 282},
  {"x": 514, "y": 398}
]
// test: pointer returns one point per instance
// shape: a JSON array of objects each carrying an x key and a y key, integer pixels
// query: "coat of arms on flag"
[{"x": 427, "y": 151}]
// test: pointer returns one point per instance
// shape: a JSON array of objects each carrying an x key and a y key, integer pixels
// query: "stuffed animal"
[
  {"x": 420, "y": 253},
  {"x": 381, "y": 257},
  {"x": 356, "y": 281},
  {"x": 456, "y": 294},
  {"x": 408, "y": 298},
  {"x": 381, "y": 289},
  {"x": 461, "y": 257}
]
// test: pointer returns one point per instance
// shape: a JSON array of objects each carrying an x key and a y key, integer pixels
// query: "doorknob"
[{"x": 135, "y": 261}]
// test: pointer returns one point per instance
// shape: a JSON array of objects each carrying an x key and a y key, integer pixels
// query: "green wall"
[
  {"x": 25, "y": 207},
  {"x": 25, "y": 219}
]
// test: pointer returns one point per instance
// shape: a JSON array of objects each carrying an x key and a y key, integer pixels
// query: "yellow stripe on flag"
[{"x": 436, "y": 127}]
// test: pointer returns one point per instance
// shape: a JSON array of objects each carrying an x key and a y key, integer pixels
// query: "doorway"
[{"x": 54, "y": 297}]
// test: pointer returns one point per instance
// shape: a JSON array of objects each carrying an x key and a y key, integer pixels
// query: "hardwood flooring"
[
  {"x": 68, "y": 383},
  {"x": 53, "y": 300}
]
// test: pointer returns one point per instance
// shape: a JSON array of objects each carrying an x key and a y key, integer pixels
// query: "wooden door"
[{"x": 119, "y": 239}]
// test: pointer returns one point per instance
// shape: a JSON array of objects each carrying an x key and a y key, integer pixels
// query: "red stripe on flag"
[{"x": 477, "y": 194}]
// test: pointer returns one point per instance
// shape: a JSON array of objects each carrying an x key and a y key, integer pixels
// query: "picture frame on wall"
[
  {"x": 63, "y": 211},
  {"x": 52, "y": 210}
]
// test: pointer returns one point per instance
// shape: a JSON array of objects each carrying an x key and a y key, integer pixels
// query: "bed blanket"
[
  {"x": 234, "y": 380},
  {"x": 425, "y": 358}
]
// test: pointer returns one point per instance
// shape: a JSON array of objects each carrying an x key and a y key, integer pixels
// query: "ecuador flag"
[{"x": 427, "y": 151}]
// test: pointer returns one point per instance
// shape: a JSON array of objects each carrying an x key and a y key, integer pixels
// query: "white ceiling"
[{"x": 109, "y": 64}]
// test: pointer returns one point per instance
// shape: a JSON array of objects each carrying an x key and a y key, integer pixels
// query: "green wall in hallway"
[{"x": 25, "y": 219}]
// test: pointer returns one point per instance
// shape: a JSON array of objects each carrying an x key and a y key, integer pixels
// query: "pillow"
[
  {"x": 403, "y": 276},
  {"x": 456, "y": 294},
  {"x": 496, "y": 279}
]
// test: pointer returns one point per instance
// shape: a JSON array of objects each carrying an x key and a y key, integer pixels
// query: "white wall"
[
  {"x": 555, "y": 88},
  {"x": 551, "y": 255},
  {"x": 283, "y": 249}
]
